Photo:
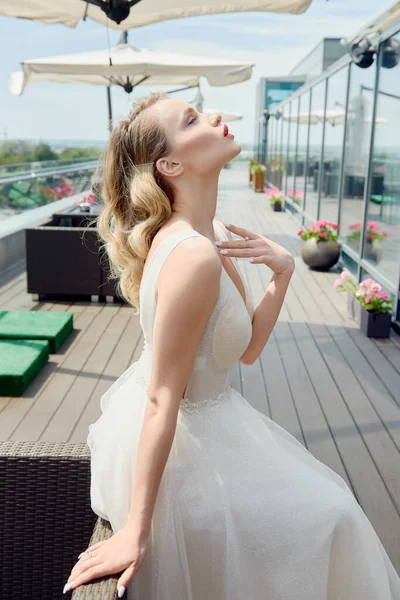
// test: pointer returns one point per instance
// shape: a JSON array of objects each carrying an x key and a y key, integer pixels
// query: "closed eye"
[{"x": 192, "y": 120}]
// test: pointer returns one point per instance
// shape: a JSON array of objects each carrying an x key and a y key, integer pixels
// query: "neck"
[{"x": 195, "y": 203}]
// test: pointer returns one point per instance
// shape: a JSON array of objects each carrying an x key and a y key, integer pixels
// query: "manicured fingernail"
[
  {"x": 67, "y": 586},
  {"x": 251, "y": 259},
  {"x": 224, "y": 251},
  {"x": 81, "y": 554},
  {"x": 218, "y": 243},
  {"x": 121, "y": 591}
]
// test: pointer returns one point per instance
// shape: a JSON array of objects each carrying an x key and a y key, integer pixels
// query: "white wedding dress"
[{"x": 244, "y": 510}]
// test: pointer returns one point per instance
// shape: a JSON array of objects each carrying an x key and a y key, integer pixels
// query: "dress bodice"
[{"x": 226, "y": 336}]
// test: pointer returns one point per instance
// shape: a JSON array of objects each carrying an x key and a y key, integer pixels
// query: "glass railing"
[{"x": 33, "y": 187}]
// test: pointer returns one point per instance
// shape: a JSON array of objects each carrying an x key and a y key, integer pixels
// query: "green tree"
[
  {"x": 70, "y": 153},
  {"x": 44, "y": 152}
]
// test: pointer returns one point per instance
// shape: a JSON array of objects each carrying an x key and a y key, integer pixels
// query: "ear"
[{"x": 169, "y": 168}]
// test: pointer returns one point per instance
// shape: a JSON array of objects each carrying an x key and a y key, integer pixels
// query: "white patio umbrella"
[
  {"x": 127, "y": 66},
  {"x": 226, "y": 116},
  {"x": 333, "y": 116},
  {"x": 127, "y": 14},
  {"x": 302, "y": 117}
]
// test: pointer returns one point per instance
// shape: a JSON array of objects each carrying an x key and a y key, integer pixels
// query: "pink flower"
[
  {"x": 367, "y": 299},
  {"x": 366, "y": 283},
  {"x": 345, "y": 274},
  {"x": 376, "y": 287},
  {"x": 323, "y": 234},
  {"x": 369, "y": 236},
  {"x": 358, "y": 293},
  {"x": 337, "y": 283},
  {"x": 373, "y": 224},
  {"x": 300, "y": 232}
]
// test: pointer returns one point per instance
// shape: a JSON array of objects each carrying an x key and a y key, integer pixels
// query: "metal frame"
[
  {"x": 307, "y": 153},
  {"x": 342, "y": 164},
  {"x": 321, "y": 162},
  {"x": 368, "y": 182}
]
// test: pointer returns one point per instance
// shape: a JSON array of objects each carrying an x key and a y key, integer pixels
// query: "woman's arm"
[
  {"x": 267, "y": 312},
  {"x": 265, "y": 316},
  {"x": 188, "y": 289}
]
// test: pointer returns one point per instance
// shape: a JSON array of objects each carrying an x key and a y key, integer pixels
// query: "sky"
[{"x": 274, "y": 43}]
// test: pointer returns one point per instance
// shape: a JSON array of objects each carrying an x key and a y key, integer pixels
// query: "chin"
[{"x": 235, "y": 150}]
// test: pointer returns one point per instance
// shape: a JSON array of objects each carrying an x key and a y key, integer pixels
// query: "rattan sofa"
[{"x": 46, "y": 521}]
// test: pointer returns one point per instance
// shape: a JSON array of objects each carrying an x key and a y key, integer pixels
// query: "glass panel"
[
  {"x": 315, "y": 150},
  {"x": 285, "y": 138},
  {"x": 350, "y": 264},
  {"x": 301, "y": 159},
  {"x": 334, "y": 131},
  {"x": 291, "y": 162},
  {"x": 23, "y": 190},
  {"x": 382, "y": 244},
  {"x": 356, "y": 152}
]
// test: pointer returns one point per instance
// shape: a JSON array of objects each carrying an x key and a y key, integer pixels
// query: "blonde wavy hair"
[{"x": 136, "y": 204}]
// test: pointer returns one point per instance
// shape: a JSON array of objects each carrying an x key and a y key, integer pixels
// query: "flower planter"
[
  {"x": 375, "y": 325},
  {"x": 373, "y": 251},
  {"x": 320, "y": 255},
  {"x": 277, "y": 206},
  {"x": 258, "y": 181}
]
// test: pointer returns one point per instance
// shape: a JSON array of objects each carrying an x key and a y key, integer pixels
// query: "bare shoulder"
[{"x": 193, "y": 263}]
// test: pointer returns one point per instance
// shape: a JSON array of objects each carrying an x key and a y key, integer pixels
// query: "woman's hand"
[
  {"x": 259, "y": 250},
  {"x": 124, "y": 551}
]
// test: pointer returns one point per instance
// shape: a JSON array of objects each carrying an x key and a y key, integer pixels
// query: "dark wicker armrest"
[
  {"x": 47, "y": 520},
  {"x": 104, "y": 587}
]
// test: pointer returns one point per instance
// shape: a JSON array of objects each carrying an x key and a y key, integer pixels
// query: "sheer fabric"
[{"x": 244, "y": 510}]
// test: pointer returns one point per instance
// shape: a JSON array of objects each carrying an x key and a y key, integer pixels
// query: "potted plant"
[
  {"x": 85, "y": 203},
  {"x": 295, "y": 195},
  {"x": 321, "y": 249},
  {"x": 276, "y": 198},
  {"x": 373, "y": 238},
  {"x": 257, "y": 171},
  {"x": 372, "y": 308}
]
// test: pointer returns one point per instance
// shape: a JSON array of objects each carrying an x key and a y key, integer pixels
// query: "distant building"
[{"x": 328, "y": 51}]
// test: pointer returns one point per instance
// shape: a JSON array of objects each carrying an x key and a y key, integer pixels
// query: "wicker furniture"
[{"x": 46, "y": 521}]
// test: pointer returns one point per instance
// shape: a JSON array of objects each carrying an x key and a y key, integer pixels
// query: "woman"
[{"x": 208, "y": 498}]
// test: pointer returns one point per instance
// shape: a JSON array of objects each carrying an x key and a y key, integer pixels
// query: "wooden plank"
[
  {"x": 18, "y": 410},
  {"x": 126, "y": 350},
  {"x": 335, "y": 395}
]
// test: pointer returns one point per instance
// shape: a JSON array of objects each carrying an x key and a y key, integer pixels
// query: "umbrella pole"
[{"x": 110, "y": 124}]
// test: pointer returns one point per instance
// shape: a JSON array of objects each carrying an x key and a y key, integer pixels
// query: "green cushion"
[
  {"x": 36, "y": 325},
  {"x": 20, "y": 362},
  {"x": 386, "y": 199}
]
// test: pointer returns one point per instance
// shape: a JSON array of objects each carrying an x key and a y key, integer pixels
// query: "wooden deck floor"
[{"x": 319, "y": 377}]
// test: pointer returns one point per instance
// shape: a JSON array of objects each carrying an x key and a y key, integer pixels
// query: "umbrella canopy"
[
  {"x": 334, "y": 116},
  {"x": 126, "y": 14},
  {"x": 128, "y": 66},
  {"x": 226, "y": 116},
  {"x": 302, "y": 118}
]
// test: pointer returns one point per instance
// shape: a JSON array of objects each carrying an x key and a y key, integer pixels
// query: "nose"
[{"x": 216, "y": 119}]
